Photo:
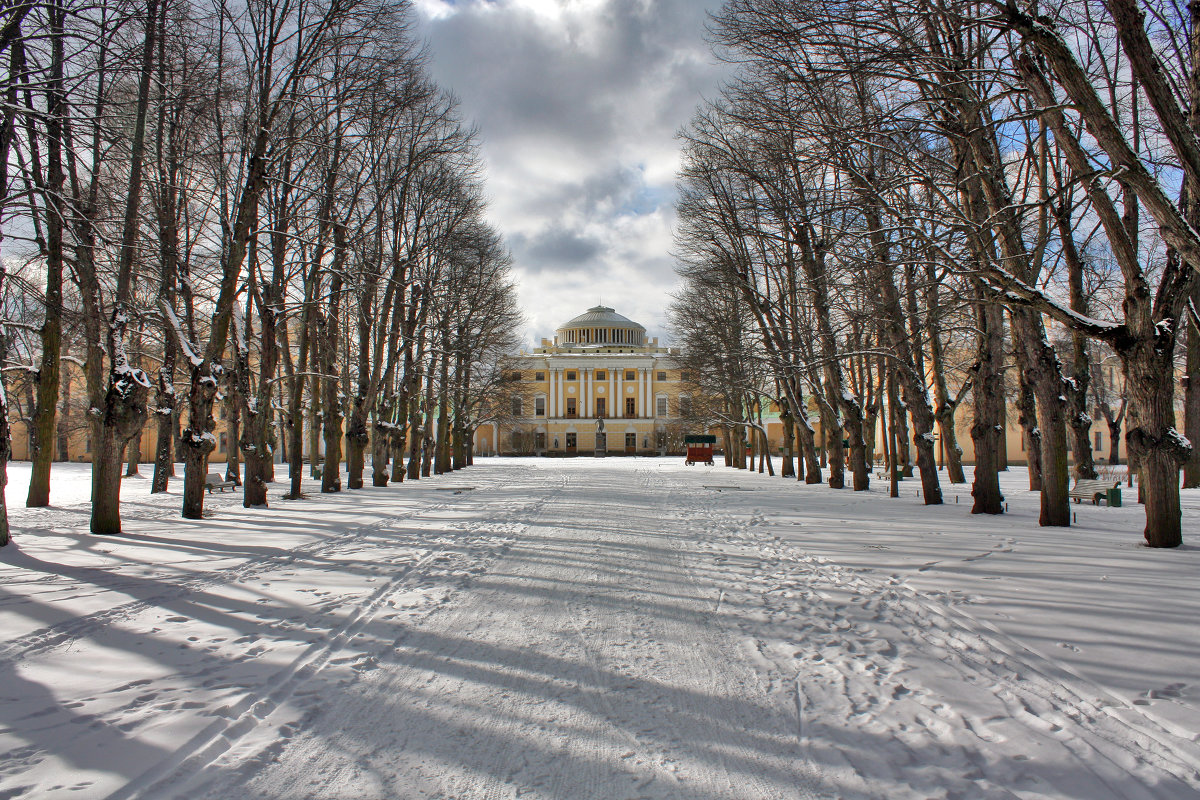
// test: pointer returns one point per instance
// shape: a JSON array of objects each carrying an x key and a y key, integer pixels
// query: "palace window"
[
  {"x": 539, "y": 376},
  {"x": 572, "y": 439},
  {"x": 539, "y": 440},
  {"x": 571, "y": 374},
  {"x": 685, "y": 406},
  {"x": 630, "y": 407},
  {"x": 661, "y": 376},
  {"x": 539, "y": 406},
  {"x": 601, "y": 410},
  {"x": 516, "y": 406},
  {"x": 631, "y": 442},
  {"x": 571, "y": 407},
  {"x": 601, "y": 375},
  {"x": 1099, "y": 440},
  {"x": 630, "y": 375},
  {"x": 684, "y": 375},
  {"x": 660, "y": 406},
  {"x": 514, "y": 376}
]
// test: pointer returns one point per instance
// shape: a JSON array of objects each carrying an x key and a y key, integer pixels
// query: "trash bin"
[{"x": 1114, "y": 497}]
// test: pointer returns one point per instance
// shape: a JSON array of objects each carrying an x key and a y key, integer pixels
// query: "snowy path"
[
  {"x": 533, "y": 629},
  {"x": 586, "y": 663}
]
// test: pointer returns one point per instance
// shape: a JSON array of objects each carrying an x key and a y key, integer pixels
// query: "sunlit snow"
[{"x": 595, "y": 628}]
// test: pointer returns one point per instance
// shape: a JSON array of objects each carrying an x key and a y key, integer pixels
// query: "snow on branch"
[
  {"x": 189, "y": 350},
  {"x": 1018, "y": 292}
]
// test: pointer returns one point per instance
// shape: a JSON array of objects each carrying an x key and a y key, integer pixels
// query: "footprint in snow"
[{"x": 1172, "y": 691}]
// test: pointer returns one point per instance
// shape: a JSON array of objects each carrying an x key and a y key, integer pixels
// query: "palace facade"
[{"x": 599, "y": 387}]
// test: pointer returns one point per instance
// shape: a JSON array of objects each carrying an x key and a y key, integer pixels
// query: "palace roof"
[{"x": 601, "y": 317}]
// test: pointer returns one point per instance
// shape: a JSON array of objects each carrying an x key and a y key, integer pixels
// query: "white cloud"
[{"x": 578, "y": 103}]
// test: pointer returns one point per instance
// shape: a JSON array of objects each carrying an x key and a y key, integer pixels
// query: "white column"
[
  {"x": 650, "y": 400},
  {"x": 646, "y": 393},
  {"x": 587, "y": 394},
  {"x": 552, "y": 401},
  {"x": 612, "y": 392},
  {"x": 562, "y": 390},
  {"x": 619, "y": 395},
  {"x": 641, "y": 396}
]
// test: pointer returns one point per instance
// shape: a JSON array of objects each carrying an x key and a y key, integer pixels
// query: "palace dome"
[{"x": 601, "y": 325}]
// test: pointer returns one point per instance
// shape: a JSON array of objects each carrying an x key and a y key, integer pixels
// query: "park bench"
[
  {"x": 213, "y": 481},
  {"x": 1093, "y": 490}
]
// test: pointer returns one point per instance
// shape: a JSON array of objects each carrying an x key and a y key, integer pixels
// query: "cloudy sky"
[{"x": 578, "y": 103}]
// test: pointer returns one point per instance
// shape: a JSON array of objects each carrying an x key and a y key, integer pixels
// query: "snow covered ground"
[{"x": 615, "y": 628}]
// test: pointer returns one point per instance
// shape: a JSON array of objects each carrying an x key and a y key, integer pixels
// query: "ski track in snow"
[
  {"x": 612, "y": 631},
  {"x": 64, "y": 633},
  {"x": 583, "y": 664}
]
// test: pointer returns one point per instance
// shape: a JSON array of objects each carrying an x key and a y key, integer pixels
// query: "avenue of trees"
[
  {"x": 263, "y": 208},
  {"x": 900, "y": 211}
]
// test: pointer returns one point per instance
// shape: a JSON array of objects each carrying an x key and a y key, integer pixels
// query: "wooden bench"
[
  {"x": 1094, "y": 490},
  {"x": 213, "y": 481}
]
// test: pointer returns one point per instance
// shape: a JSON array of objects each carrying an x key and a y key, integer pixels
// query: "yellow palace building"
[{"x": 598, "y": 388}]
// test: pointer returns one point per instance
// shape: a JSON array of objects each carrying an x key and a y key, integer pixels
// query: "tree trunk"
[
  {"x": 1114, "y": 436},
  {"x": 133, "y": 455},
  {"x": 416, "y": 436},
  {"x": 124, "y": 412},
  {"x": 442, "y": 457},
  {"x": 1041, "y": 370},
  {"x": 789, "y": 441},
  {"x": 987, "y": 431},
  {"x": 64, "y": 418},
  {"x": 315, "y": 416},
  {"x": 357, "y": 440},
  {"x": 198, "y": 440},
  {"x": 260, "y": 417},
  {"x": 1076, "y": 385},
  {"x": 398, "y": 444},
  {"x": 442, "y": 444},
  {"x": 124, "y": 416},
  {"x": 459, "y": 432},
  {"x": 164, "y": 414},
  {"x": 331, "y": 419},
  {"x": 5, "y": 454},
  {"x": 835, "y": 452},
  {"x": 382, "y": 422},
  {"x": 894, "y": 412},
  {"x": 1031, "y": 433},
  {"x": 233, "y": 423},
  {"x": 42, "y": 429},
  {"x": 1154, "y": 444}
]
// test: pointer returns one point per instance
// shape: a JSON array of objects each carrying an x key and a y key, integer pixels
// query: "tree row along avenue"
[
  {"x": 896, "y": 208},
  {"x": 269, "y": 205}
]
